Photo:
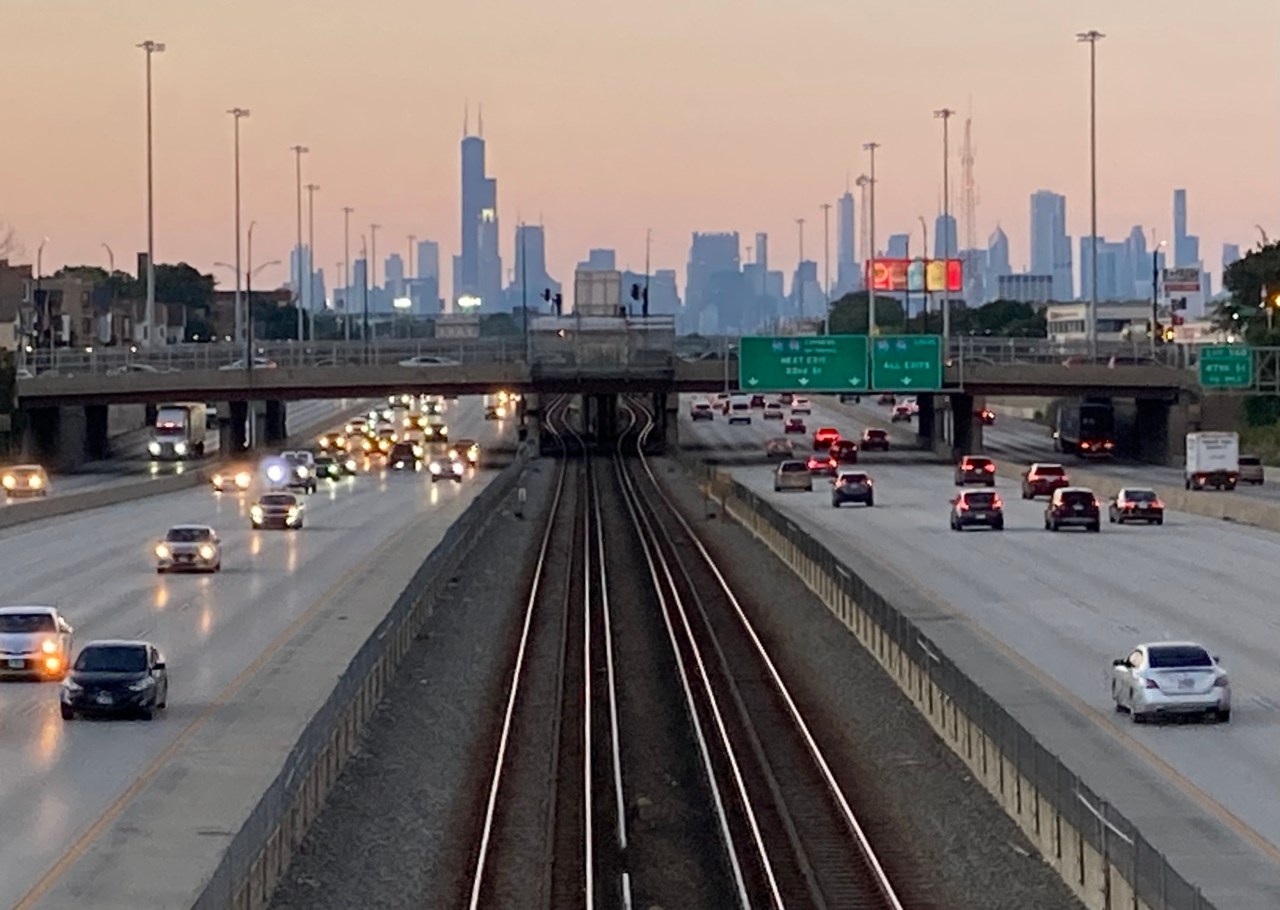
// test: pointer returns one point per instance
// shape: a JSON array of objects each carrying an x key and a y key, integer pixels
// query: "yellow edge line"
[
  {"x": 82, "y": 843},
  {"x": 1175, "y": 777}
]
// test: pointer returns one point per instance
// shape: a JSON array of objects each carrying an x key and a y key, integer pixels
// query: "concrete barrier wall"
[
  {"x": 262, "y": 848},
  {"x": 1097, "y": 852},
  {"x": 125, "y": 418},
  {"x": 38, "y": 510}
]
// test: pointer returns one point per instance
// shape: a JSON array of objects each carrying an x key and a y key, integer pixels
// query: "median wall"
[{"x": 1097, "y": 851}]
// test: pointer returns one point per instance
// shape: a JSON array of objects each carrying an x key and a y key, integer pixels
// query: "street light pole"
[
  {"x": 871, "y": 266},
  {"x": 346, "y": 254},
  {"x": 648, "y": 243},
  {"x": 524, "y": 290},
  {"x": 1155, "y": 288},
  {"x": 47, "y": 319},
  {"x": 238, "y": 114},
  {"x": 826, "y": 267},
  {"x": 364, "y": 281},
  {"x": 1092, "y": 38},
  {"x": 945, "y": 115},
  {"x": 928, "y": 295},
  {"x": 311, "y": 252},
  {"x": 298, "y": 152},
  {"x": 150, "y": 47},
  {"x": 248, "y": 302}
]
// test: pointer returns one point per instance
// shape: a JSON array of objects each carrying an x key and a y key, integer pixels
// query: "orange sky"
[{"x": 606, "y": 118}]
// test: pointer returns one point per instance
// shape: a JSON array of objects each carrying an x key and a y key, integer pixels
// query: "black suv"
[
  {"x": 977, "y": 508},
  {"x": 1073, "y": 507},
  {"x": 976, "y": 469},
  {"x": 852, "y": 486}
]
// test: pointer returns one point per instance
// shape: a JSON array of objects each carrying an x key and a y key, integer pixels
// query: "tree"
[
  {"x": 849, "y": 314},
  {"x": 1249, "y": 279},
  {"x": 123, "y": 285},
  {"x": 1004, "y": 319},
  {"x": 183, "y": 284}
]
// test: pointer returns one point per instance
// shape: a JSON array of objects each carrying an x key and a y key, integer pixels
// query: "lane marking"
[
  {"x": 1180, "y": 782},
  {"x": 82, "y": 844}
]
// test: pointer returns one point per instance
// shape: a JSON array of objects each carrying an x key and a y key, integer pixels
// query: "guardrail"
[{"x": 1099, "y": 853}]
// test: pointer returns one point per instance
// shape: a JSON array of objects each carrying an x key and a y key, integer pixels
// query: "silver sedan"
[{"x": 1170, "y": 677}]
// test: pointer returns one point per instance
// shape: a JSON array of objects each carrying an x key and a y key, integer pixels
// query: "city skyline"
[{"x": 702, "y": 167}]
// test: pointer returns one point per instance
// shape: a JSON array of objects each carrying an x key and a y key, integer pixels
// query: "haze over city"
[{"x": 604, "y": 120}]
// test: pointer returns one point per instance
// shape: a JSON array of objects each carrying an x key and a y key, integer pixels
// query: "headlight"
[
  {"x": 49, "y": 646},
  {"x": 417, "y": 451},
  {"x": 351, "y": 464},
  {"x": 457, "y": 467},
  {"x": 256, "y": 513},
  {"x": 162, "y": 552},
  {"x": 180, "y": 448},
  {"x": 324, "y": 443},
  {"x": 154, "y": 448},
  {"x": 501, "y": 411},
  {"x": 435, "y": 467},
  {"x": 444, "y": 431},
  {"x": 293, "y": 512},
  {"x": 206, "y": 552},
  {"x": 142, "y": 685},
  {"x": 275, "y": 473},
  {"x": 243, "y": 479},
  {"x": 304, "y": 472},
  {"x": 52, "y": 664},
  {"x": 35, "y": 481},
  {"x": 9, "y": 481},
  {"x": 217, "y": 480},
  {"x": 71, "y": 685}
]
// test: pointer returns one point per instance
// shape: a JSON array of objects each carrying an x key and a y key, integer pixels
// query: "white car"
[
  {"x": 430, "y": 360},
  {"x": 1170, "y": 677},
  {"x": 189, "y": 548},
  {"x": 800, "y": 407},
  {"x": 450, "y": 469},
  {"x": 738, "y": 409},
  {"x": 773, "y": 410},
  {"x": 140, "y": 368},
  {"x": 34, "y": 642},
  {"x": 259, "y": 363}
]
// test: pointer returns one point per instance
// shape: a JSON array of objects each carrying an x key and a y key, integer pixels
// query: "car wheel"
[
  {"x": 871, "y": 501},
  {"x": 998, "y": 526},
  {"x": 159, "y": 571},
  {"x": 147, "y": 713},
  {"x": 1159, "y": 521},
  {"x": 1025, "y": 494},
  {"x": 1138, "y": 716},
  {"x": 1096, "y": 527},
  {"x": 67, "y": 713},
  {"x": 1111, "y": 516},
  {"x": 1224, "y": 717},
  {"x": 1053, "y": 526}
]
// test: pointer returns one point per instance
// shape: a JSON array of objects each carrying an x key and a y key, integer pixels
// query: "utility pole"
[
  {"x": 798, "y": 288},
  {"x": 945, "y": 115},
  {"x": 1092, "y": 38},
  {"x": 871, "y": 268},
  {"x": 826, "y": 267},
  {"x": 151, "y": 48},
  {"x": 648, "y": 242},
  {"x": 311, "y": 252},
  {"x": 299, "y": 151},
  {"x": 346, "y": 255}
]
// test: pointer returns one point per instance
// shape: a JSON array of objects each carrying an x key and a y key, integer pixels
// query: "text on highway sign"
[
  {"x": 1227, "y": 367},
  {"x": 906, "y": 362},
  {"x": 813, "y": 363}
]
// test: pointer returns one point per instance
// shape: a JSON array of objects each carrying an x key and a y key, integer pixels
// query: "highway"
[
  {"x": 1064, "y": 605},
  {"x": 130, "y": 463},
  {"x": 98, "y": 568}
]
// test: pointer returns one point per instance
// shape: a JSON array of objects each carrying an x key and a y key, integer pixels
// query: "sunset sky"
[{"x": 606, "y": 118}]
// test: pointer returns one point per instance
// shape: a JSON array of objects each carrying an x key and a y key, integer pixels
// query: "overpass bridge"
[{"x": 592, "y": 356}]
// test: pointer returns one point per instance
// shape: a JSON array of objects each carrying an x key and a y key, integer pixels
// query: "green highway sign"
[
  {"x": 906, "y": 362},
  {"x": 1227, "y": 367},
  {"x": 810, "y": 363}
]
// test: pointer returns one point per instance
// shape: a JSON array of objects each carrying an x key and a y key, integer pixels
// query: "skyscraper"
[
  {"x": 1230, "y": 254},
  {"x": 944, "y": 237},
  {"x": 848, "y": 273},
  {"x": 1050, "y": 245},
  {"x": 1186, "y": 247},
  {"x": 997, "y": 262},
  {"x": 531, "y": 266},
  {"x": 393, "y": 272},
  {"x": 425, "y": 289},
  {"x": 709, "y": 255},
  {"x": 477, "y": 270}
]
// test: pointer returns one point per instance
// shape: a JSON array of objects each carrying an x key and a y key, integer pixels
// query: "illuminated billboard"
[{"x": 917, "y": 275}]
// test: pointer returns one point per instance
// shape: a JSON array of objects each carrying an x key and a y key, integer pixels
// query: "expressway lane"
[
  {"x": 97, "y": 567},
  {"x": 130, "y": 464},
  {"x": 1064, "y": 605}
]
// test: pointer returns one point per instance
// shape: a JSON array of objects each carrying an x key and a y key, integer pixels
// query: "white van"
[{"x": 739, "y": 409}]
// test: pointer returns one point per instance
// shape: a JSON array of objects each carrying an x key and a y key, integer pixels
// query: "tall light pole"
[
  {"x": 238, "y": 114},
  {"x": 799, "y": 282},
  {"x": 298, "y": 152},
  {"x": 871, "y": 267},
  {"x": 248, "y": 301},
  {"x": 928, "y": 295},
  {"x": 862, "y": 183},
  {"x": 364, "y": 283},
  {"x": 648, "y": 244},
  {"x": 111, "y": 260},
  {"x": 1092, "y": 38},
  {"x": 826, "y": 267},
  {"x": 1155, "y": 288},
  {"x": 346, "y": 255},
  {"x": 46, "y": 320},
  {"x": 311, "y": 252},
  {"x": 945, "y": 115},
  {"x": 150, "y": 47}
]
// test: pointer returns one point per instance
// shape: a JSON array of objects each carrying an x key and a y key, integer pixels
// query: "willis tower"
[{"x": 477, "y": 271}]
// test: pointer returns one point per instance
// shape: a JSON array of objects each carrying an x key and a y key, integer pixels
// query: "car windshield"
[
  {"x": 976, "y": 462},
  {"x": 465, "y": 443},
  {"x": 1049, "y": 470},
  {"x": 876, "y": 434},
  {"x": 853, "y": 478},
  {"x": 401, "y": 449},
  {"x": 27, "y": 622},
  {"x": 1140, "y": 495},
  {"x": 740, "y": 405},
  {"x": 188, "y": 535},
  {"x": 279, "y": 500},
  {"x": 980, "y": 500},
  {"x": 1167, "y": 656},
  {"x": 793, "y": 467},
  {"x": 295, "y": 458},
  {"x": 113, "y": 659},
  {"x": 1250, "y": 461},
  {"x": 1077, "y": 498}
]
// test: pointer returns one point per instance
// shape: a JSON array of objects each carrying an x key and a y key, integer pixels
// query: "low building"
[
  {"x": 597, "y": 292},
  {"x": 1025, "y": 288},
  {"x": 1115, "y": 321}
]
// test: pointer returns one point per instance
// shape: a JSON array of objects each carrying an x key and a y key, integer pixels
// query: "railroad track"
[{"x": 649, "y": 752}]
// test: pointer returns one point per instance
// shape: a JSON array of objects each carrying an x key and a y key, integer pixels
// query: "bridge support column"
[
  {"x": 966, "y": 428},
  {"x": 928, "y": 422},
  {"x": 604, "y": 417},
  {"x": 273, "y": 428},
  {"x": 41, "y": 437},
  {"x": 233, "y": 419},
  {"x": 96, "y": 441},
  {"x": 1159, "y": 430}
]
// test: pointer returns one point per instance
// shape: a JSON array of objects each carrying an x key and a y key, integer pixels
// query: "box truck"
[
  {"x": 179, "y": 432},
  {"x": 1213, "y": 460}
]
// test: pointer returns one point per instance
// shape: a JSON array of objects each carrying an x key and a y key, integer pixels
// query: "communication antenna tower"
[{"x": 968, "y": 187}]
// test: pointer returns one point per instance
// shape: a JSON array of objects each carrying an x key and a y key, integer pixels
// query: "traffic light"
[
  {"x": 546, "y": 294},
  {"x": 558, "y": 302},
  {"x": 642, "y": 294},
  {"x": 1170, "y": 334}
]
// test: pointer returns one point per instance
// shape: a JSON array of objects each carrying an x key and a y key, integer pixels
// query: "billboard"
[
  {"x": 1181, "y": 281},
  {"x": 916, "y": 275}
]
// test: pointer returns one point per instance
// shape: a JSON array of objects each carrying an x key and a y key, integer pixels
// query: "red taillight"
[
  {"x": 990, "y": 469},
  {"x": 1151, "y": 684},
  {"x": 962, "y": 506},
  {"x": 997, "y": 503},
  {"x": 1157, "y": 504}
]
